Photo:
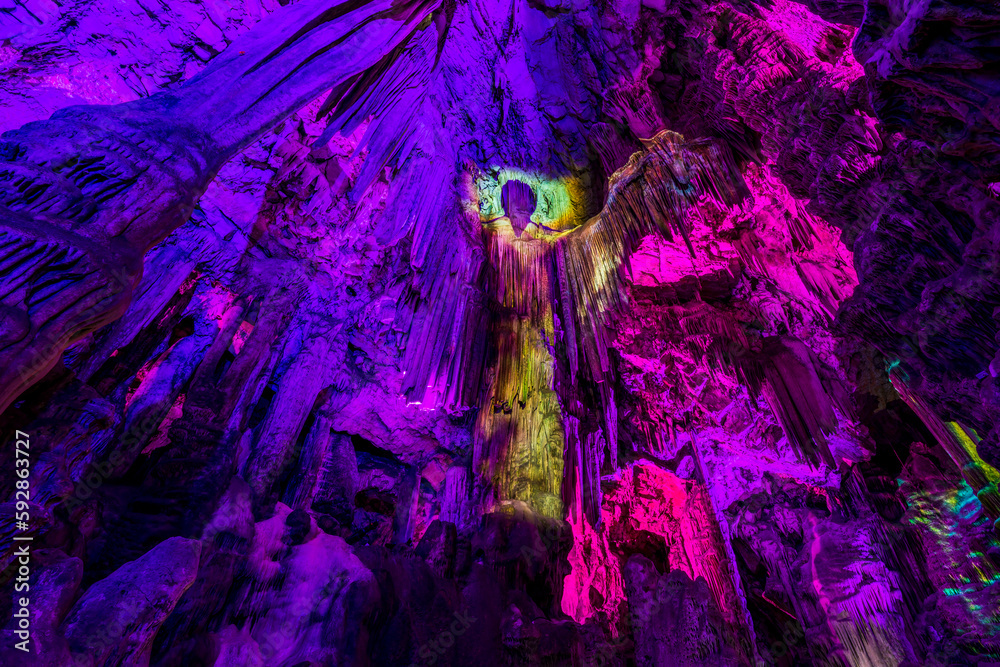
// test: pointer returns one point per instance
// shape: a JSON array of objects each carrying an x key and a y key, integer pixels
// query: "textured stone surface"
[
  {"x": 492, "y": 333},
  {"x": 676, "y": 622},
  {"x": 117, "y": 618}
]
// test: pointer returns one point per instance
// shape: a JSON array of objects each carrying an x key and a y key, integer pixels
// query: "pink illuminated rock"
[{"x": 492, "y": 333}]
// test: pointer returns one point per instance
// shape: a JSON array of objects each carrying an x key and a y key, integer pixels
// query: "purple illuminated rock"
[
  {"x": 51, "y": 590},
  {"x": 674, "y": 620},
  {"x": 259, "y": 295},
  {"x": 117, "y": 618}
]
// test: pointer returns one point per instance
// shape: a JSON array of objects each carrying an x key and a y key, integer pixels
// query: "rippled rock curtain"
[{"x": 501, "y": 333}]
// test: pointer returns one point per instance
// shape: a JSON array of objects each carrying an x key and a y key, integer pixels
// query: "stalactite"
[
  {"x": 956, "y": 441},
  {"x": 420, "y": 279}
]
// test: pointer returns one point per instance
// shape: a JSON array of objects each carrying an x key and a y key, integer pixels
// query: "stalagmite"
[{"x": 504, "y": 333}]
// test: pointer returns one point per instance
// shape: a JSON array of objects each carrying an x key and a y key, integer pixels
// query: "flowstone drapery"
[
  {"x": 501, "y": 332},
  {"x": 89, "y": 191}
]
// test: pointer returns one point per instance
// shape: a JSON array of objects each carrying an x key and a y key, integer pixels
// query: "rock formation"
[{"x": 658, "y": 332}]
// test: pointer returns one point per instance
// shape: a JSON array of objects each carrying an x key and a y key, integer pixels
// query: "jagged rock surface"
[{"x": 445, "y": 348}]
